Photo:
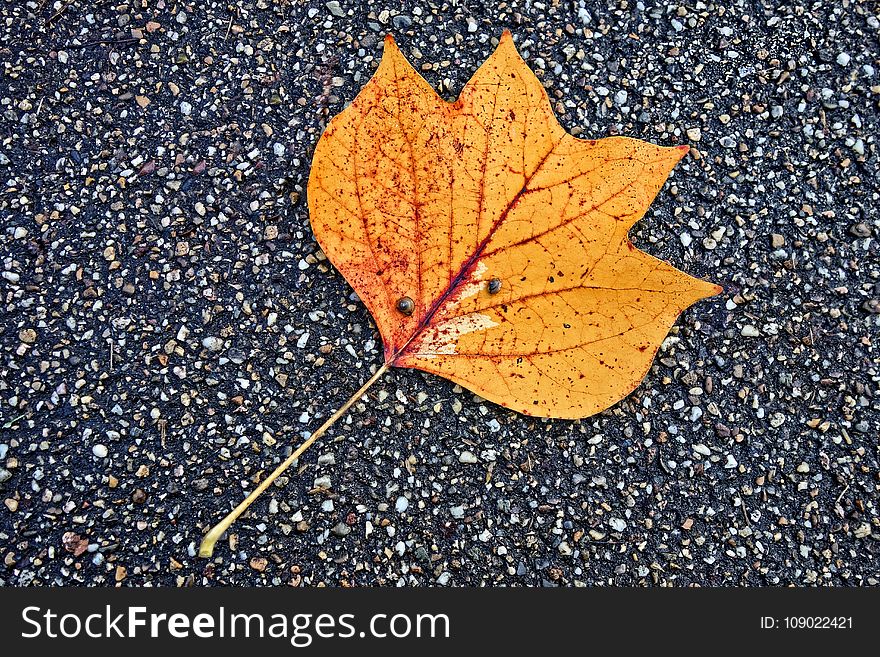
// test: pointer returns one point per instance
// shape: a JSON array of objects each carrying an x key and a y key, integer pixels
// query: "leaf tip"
[
  {"x": 707, "y": 289},
  {"x": 390, "y": 45},
  {"x": 683, "y": 150},
  {"x": 506, "y": 44}
]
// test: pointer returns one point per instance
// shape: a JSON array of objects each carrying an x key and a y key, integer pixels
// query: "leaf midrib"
[{"x": 468, "y": 264}]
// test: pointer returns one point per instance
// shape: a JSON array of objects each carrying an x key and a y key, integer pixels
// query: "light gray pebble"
[
  {"x": 402, "y": 504},
  {"x": 467, "y": 457},
  {"x": 617, "y": 524},
  {"x": 212, "y": 343},
  {"x": 341, "y": 530}
]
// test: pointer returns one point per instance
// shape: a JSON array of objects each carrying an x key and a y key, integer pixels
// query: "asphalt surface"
[{"x": 170, "y": 327}]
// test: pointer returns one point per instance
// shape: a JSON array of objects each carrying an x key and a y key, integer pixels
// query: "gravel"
[{"x": 168, "y": 318}]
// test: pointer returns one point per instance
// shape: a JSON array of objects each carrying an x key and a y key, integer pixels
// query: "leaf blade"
[{"x": 491, "y": 187}]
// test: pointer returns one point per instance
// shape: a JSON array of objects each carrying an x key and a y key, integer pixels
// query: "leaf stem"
[{"x": 206, "y": 549}]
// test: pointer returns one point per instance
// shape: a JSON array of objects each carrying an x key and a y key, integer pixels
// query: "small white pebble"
[
  {"x": 467, "y": 457},
  {"x": 617, "y": 524}
]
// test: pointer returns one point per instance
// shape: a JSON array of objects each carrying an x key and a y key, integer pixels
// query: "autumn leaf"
[
  {"x": 508, "y": 235},
  {"x": 489, "y": 245}
]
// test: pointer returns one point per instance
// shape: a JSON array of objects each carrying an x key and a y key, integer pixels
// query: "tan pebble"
[
  {"x": 863, "y": 530},
  {"x": 28, "y": 335}
]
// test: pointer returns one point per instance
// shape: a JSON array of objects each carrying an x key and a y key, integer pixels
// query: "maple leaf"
[
  {"x": 506, "y": 235},
  {"x": 489, "y": 245}
]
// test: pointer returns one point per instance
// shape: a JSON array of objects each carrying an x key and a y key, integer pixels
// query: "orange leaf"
[{"x": 491, "y": 246}]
